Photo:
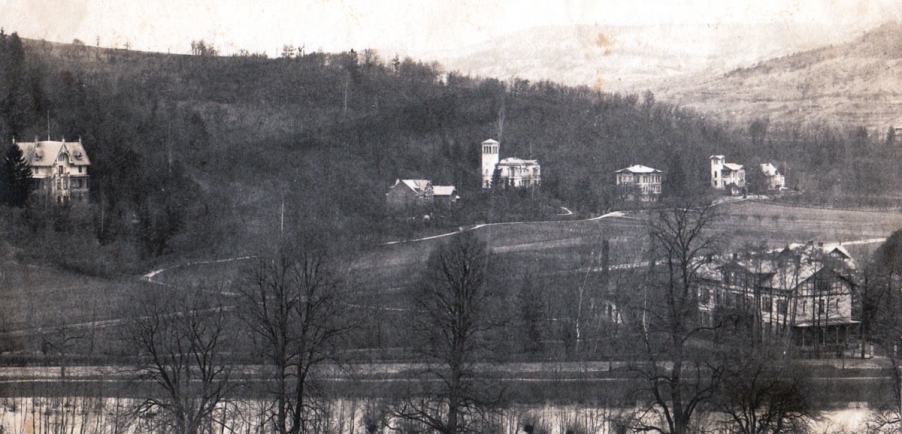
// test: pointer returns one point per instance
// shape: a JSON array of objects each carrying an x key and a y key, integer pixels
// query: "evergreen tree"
[{"x": 15, "y": 182}]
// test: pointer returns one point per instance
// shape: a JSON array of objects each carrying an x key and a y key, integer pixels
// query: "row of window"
[
  {"x": 782, "y": 307},
  {"x": 640, "y": 179}
]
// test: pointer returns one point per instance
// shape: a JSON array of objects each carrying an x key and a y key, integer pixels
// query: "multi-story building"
[
  {"x": 726, "y": 176},
  {"x": 775, "y": 181},
  {"x": 513, "y": 172},
  {"x": 639, "y": 182},
  {"x": 59, "y": 169},
  {"x": 803, "y": 291}
]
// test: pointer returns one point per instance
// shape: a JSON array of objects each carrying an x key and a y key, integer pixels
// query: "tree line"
[{"x": 178, "y": 140}]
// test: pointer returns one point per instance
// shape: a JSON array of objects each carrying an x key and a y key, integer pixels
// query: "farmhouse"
[
  {"x": 775, "y": 181},
  {"x": 512, "y": 172},
  {"x": 639, "y": 182},
  {"x": 59, "y": 169},
  {"x": 803, "y": 291},
  {"x": 726, "y": 176},
  {"x": 410, "y": 194}
]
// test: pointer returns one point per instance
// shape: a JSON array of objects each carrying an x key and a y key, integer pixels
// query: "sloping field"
[
  {"x": 39, "y": 297},
  {"x": 739, "y": 223},
  {"x": 44, "y": 298}
]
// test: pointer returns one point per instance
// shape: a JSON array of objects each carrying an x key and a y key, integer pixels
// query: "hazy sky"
[{"x": 406, "y": 26}]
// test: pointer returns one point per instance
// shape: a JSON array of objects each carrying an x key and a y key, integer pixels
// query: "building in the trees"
[
  {"x": 444, "y": 195},
  {"x": 639, "y": 182},
  {"x": 512, "y": 172},
  {"x": 775, "y": 181},
  {"x": 727, "y": 176},
  {"x": 804, "y": 292},
  {"x": 408, "y": 194},
  {"x": 59, "y": 169}
]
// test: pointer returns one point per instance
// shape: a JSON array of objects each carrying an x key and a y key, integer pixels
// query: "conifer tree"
[{"x": 15, "y": 182}]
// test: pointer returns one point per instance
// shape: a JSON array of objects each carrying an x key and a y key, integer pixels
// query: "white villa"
[
  {"x": 514, "y": 172},
  {"x": 59, "y": 169},
  {"x": 726, "y": 175},
  {"x": 775, "y": 181},
  {"x": 646, "y": 179}
]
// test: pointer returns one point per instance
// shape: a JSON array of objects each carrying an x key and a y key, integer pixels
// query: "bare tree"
[
  {"x": 678, "y": 373},
  {"x": 453, "y": 323},
  {"x": 293, "y": 304},
  {"x": 180, "y": 338},
  {"x": 763, "y": 390}
]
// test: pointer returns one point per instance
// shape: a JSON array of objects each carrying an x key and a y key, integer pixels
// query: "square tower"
[{"x": 490, "y": 150}]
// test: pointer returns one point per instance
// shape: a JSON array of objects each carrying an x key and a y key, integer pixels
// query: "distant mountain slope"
[
  {"x": 633, "y": 58},
  {"x": 855, "y": 83}
]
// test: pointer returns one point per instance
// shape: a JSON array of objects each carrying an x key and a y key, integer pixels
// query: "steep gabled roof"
[
  {"x": 44, "y": 154},
  {"x": 417, "y": 185}
]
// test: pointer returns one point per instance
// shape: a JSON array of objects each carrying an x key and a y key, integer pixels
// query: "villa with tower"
[
  {"x": 727, "y": 176},
  {"x": 512, "y": 172}
]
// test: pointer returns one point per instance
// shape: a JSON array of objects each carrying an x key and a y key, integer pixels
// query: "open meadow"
[{"x": 36, "y": 298}]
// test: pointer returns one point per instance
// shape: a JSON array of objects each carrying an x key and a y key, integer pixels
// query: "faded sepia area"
[{"x": 362, "y": 217}]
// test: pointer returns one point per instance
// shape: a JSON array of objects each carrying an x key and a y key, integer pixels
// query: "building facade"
[
  {"x": 775, "y": 181},
  {"x": 639, "y": 182},
  {"x": 726, "y": 176},
  {"x": 59, "y": 169},
  {"x": 804, "y": 292},
  {"x": 407, "y": 194},
  {"x": 513, "y": 172}
]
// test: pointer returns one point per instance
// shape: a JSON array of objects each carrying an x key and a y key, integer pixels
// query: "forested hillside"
[{"x": 196, "y": 154}]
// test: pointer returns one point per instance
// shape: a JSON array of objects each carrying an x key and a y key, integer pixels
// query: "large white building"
[
  {"x": 645, "y": 180},
  {"x": 514, "y": 172},
  {"x": 59, "y": 169},
  {"x": 726, "y": 175}
]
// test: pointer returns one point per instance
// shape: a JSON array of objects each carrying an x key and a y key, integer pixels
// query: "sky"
[{"x": 410, "y": 27}]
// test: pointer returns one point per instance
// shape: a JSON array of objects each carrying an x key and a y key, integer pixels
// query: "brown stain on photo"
[{"x": 604, "y": 43}]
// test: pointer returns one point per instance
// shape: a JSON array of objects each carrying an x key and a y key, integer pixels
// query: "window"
[
  {"x": 781, "y": 307},
  {"x": 821, "y": 285},
  {"x": 804, "y": 306},
  {"x": 820, "y": 306},
  {"x": 81, "y": 169},
  {"x": 704, "y": 295}
]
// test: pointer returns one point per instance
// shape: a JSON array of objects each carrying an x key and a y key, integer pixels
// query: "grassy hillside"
[{"x": 855, "y": 83}]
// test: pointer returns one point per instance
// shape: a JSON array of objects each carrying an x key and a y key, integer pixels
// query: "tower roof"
[{"x": 490, "y": 142}]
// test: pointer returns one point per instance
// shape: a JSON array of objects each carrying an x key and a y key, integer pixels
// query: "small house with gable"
[{"x": 410, "y": 193}]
